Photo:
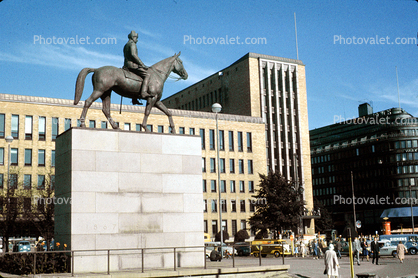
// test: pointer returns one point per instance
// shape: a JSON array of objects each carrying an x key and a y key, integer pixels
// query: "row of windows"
[
  {"x": 28, "y": 183},
  {"x": 222, "y": 167},
  {"x": 224, "y": 205},
  {"x": 232, "y": 187},
  {"x": 222, "y": 142},
  {"x": 243, "y": 226},
  {"x": 28, "y": 157},
  {"x": 204, "y": 101}
]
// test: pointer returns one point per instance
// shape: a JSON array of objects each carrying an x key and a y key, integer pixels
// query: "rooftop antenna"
[
  {"x": 296, "y": 32},
  {"x": 397, "y": 82}
]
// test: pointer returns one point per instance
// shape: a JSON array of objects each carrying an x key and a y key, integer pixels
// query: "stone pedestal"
[{"x": 122, "y": 189}]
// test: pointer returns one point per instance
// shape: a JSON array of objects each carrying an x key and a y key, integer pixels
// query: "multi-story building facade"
[
  {"x": 35, "y": 122},
  {"x": 374, "y": 157},
  {"x": 273, "y": 89}
]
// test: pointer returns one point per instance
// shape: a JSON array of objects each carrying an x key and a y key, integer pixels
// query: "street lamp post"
[
  {"x": 354, "y": 203},
  {"x": 9, "y": 140},
  {"x": 216, "y": 108}
]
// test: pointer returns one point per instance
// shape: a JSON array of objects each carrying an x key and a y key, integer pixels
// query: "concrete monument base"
[{"x": 128, "y": 190}]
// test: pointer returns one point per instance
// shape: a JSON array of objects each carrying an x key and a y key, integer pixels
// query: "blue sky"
[{"x": 339, "y": 76}]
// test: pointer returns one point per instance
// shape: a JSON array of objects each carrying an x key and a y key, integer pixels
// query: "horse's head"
[{"x": 178, "y": 67}]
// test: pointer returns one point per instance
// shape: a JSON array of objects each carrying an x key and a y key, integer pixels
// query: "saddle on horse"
[{"x": 131, "y": 75}]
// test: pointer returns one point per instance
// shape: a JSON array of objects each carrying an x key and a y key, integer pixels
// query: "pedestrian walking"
[
  {"x": 315, "y": 249},
  {"x": 356, "y": 250},
  {"x": 364, "y": 246},
  {"x": 339, "y": 247},
  {"x": 320, "y": 247},
  {"x": 401, "y": 249},
  {"x": 331, "y": 262},
  {"x": 375, "y": 248},
  {"x": 302, "y": 248}
]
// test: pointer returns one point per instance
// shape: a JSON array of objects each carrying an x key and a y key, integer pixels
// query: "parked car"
[
  {"x": 24, "y": 246},
  {"x": 387, "y": 249},
  {"x": 215, "y": 244},
  {"x": 242, "y": 248}
]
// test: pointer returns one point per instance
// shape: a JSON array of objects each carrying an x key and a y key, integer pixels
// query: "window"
[
  {"x": 191, "y": 131},
  {"x": 252, "y": 206},
  {"x": 241, "y": 166},
  {"x": 232, "y": 186},
  {"x": 240, "y": 147},
  {"x": 41, "y": 181},
  {"x": 2, "y": 120},
  {"x": 13, "y": 181},
  {"x": 214, "y": 227},
  {"x": 205, "y": 226},
  {"x": 233, "y": 206},
  {"x": 214, "y": 206},
  {"x": 53, "y": 158},
  {"x": 202, "y": 138},
  {"x": 67, "y": 124},
  {"x": 213, "y": 185},
  {"x": 249, "y": 142},
  {"x": 15, "y": 126},
  {"x": 55, "y": 128},
  {"x": 41, "y": 128},
  {"x": 27, "y": 181},
  {"x": 251, "y": 186},
  {"x": 223, "y": 186},
  {"x": 212, "y": 165},
  {"x": 127, "y": 126},
  {"x": 204, "y": 185},
  {"x": 231, "y": 165},
  {"x": 137, "y": 127},
  {"x": 242, "y": 205},
  {"x": 222, "y": 165},
  {"x": 211, "y": 139},
  {"x": 1, "y": 182},
  {"x": 160, "y": 129},
  {"x": 13, "y": 156},
  {"x": 28, "y": 127},
  {"x": 92, "y": 124},
  {"x": 78, "y": 123},
  {"x": 203, "y": 164},
  {"x": 1, "y": 156},
  {"x": 205, "y": 205},
  {"x": 250, "y": 167},
  {"x": 181, "y": 130},
  {"x": 28, "y": 157},
  {"x": 52, "y": 181},
  {"x": 150, "y": 128},
  {"x": 41, "y": 157},
  {"x": 221, "y": 140},
  {"x": 234, "y": 227},
  {"x": 223, "y": 205},
  {"x": 231, "y": 140},
  {"x": 241, "y": 187}
]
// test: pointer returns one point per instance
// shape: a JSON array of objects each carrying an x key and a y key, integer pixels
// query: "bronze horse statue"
[{"x": 108, "y": 78}]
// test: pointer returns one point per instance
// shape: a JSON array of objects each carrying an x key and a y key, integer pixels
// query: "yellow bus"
[{"x": 270, "y": 247}]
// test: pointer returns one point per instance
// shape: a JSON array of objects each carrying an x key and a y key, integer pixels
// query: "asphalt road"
[{"x": 388, "y": 267}]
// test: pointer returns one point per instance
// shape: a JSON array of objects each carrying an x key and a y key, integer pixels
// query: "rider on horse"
[{"x": 135, "y": 65}]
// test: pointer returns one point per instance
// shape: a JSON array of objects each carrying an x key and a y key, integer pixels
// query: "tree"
[
  {"x": 225, "y": 236},
  {"x": 325, "y": 222},
  {"x": 263, "y": 233},
  {"x": 279, "y": 204},
  {"x": 241, "y": 236}
]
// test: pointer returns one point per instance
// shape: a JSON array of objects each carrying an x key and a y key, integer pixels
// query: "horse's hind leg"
[
  {"x": 106, "y": 108},
  {"x": 163, "y": 108},
  {"x": 92, "y": 98}
]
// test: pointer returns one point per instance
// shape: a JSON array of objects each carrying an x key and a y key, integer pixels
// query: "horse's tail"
[{"x": 79, "y": 85}]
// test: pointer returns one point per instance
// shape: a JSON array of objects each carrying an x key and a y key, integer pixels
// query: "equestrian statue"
[{"x": 135, "y": 81}]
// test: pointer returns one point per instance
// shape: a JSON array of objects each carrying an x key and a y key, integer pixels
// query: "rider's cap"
[{"x": 132, "y": 34}]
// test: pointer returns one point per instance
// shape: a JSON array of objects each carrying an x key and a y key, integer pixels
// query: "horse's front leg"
[
  {"x": 150, "y": 103},
  {"x": 164, "y": 109}
]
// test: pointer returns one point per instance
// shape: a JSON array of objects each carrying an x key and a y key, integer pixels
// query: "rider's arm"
[{"x": 134, "y": 54}]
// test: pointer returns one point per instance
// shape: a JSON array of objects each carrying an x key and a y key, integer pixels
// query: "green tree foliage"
[
  {"x": 325, "y": 222},
  {"x": 241, "y": 236},
  {"x": 279, "y": 204}
]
